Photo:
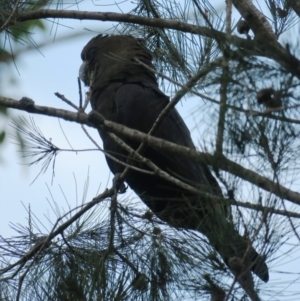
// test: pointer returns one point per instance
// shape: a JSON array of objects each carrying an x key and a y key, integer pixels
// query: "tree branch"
[
  {"x": 222, "y": 163},
  {"x": 276, "y": 52},
  {"x": 257, "y": 21}
]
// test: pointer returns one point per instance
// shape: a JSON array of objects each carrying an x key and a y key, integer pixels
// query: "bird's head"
[{"x": 112, "y": 58}]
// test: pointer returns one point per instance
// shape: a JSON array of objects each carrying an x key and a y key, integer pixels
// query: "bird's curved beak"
[{"x": 83, "y": 73}]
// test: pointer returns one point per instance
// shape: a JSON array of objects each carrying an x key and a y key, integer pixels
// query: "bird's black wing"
[{"x": 137, "y": 106}]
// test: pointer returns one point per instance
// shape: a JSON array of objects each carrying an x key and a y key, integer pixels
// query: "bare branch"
[
  {"x": 276, "y": 52},
  {"x": 63, "y": 98}
]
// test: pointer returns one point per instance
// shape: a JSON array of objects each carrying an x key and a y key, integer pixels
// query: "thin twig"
[
  {"x": 191, "y": 83},
  {"x": 11, "y": 16},
  {"x": 157, "y": 171},
  {"x": 34, "y": 252},
  {"x": 80, "y": 92},
  {"x": 107, "y": 154},
  {"x": 224, "y": 85},
  {"x": 63, "y": 98}
]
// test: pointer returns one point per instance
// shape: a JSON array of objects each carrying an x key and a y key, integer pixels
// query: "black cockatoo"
[{"x": 127, "y": 93}]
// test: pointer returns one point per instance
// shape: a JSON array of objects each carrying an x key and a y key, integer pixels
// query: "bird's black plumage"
[{"x": 127, "y": 93}]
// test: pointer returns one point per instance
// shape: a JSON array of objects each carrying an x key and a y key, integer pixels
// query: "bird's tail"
[
  {"x": 240, "y": 256},
  {"x": 230, "y": 244},
  {"x": 258, "y": 265},
  {"x": 242, "y": 248}
]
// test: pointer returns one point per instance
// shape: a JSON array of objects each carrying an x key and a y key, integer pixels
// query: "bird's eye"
[{"x": 91, "y": 53}]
